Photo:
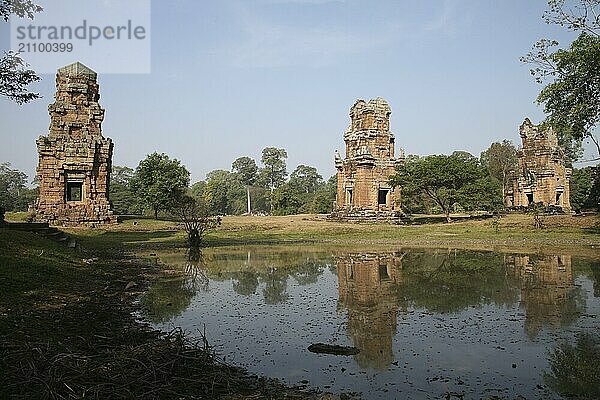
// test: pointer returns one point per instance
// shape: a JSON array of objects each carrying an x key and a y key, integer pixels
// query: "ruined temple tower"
[
  {"x": 363, "y": 175},
  {"x": 541, "y": 175},
  {"x": 74, "y": 159}
]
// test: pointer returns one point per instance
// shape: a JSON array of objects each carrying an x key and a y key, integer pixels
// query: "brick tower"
[
  {"x": 541, "y": 175},
  {"x": 363, "y": 175},
  {"x": 74, "y": 159}
]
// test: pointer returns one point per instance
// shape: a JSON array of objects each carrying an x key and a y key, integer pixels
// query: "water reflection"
[
  {"x": 417, "y": 315},
  {"x": 168, "y": 298},
  {"x": 573, "y": 370},
  {"x": 450, "y": 281},
  {"x": 264, "y": 271},
  {"x": 548, "y": 292},
  {"x": 367, "y": 290}
]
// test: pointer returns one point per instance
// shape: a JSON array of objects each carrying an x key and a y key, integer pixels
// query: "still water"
[{"x": 429, "y": 323}]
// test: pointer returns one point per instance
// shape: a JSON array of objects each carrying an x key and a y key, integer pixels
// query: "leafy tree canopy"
[
  {"x": 306, "y": 179},
  {"x": 224, "y": 193},
  {"x": 157, "y": 180},
  {"x": 446, "y": 180},
  {"x": 121, "y": 195},
  {"x": 274, "y": 171},
  {"x": 245, "y": 170},
  {"x": 571, "y": 97},
  {"x": 500, "y": 159},
  {"x": 585, "y": 188},
  {"x": 14, "y": 74},
  {"x": 14, "y": 194}
]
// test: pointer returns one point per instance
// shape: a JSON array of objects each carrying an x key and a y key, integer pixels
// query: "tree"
[
  {"x": 306, "y": 179},
  {"x": 14, "y": 194},
  {"x": 445, "y": 179},
  {"x": 14, "y": 75},
  {"x": 571, "y": 98},
  {"x": 322, "y": 202},
  {"x": 157, "y": 180},
  {"x": 195, "y": 216},
  {"x": 197, "y": 189},
  {"x": 500, "y": 159},
  {"x": 584, "y": 191},
  {"x": 224, "y": 194},
  {"x": 285, "y": 200},
  {"x": 573, "y": 369},
  {"x": 274, "y": 171},
  {"x": 122, "y": 197},
  {"x": 245, "y": 170}
]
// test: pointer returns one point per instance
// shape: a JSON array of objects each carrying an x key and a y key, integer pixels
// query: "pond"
[{"x": 429, "y": 323}]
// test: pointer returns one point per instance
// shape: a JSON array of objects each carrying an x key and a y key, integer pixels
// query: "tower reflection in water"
[
  {"x": 549, "y": 296},
  {"x": 367, "y": 290},
  {"x": 374, "y": 286}
]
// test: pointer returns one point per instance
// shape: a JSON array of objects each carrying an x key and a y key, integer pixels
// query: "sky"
[{"x": 229, "y": 78}]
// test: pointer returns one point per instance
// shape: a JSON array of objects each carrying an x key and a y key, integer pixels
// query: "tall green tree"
[
  {"x": 274, "y": 171},
  {"x": 122, "y": 197},
  {"x": 286, "y": 200},
  {"x": 571, "y": 95},
  {"x": 14, "y": 74},
  {"x": 197, "y": 189},
  {"x": 245, "y": 169},
  {"x": 585, "y": 192},
  {"x": 224, "y": 193},
  {"x": 157, "y": 180},
  {"x": 500, "y": 159},
  {"x": 446, "y": 180},
  {"x": 14, "y": 193},
  {"x": 322, "y": 201},
  {"x": 306, "y": 179}
]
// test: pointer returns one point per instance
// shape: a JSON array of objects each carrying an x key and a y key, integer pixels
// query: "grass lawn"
[{"x": 560, "y": 232}]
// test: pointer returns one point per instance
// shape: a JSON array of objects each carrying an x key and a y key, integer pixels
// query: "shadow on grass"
[
  {"x": 592, "y": 231},
  {"x": 115, "y": 242},
  {"x": 228, "y": 241}
]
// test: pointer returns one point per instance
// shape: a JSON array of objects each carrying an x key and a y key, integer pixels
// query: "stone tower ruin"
[
  {"x": 541, "y": 175},
  {"x": 74, "y": 159},
  {"x": 363, "y": 176}
]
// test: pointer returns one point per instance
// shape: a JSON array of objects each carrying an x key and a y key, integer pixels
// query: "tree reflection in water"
[
  {"x": 275, "y": 290},
  {"x": 167, "y": 298},
  {"x": 574, "y": 369},
  {"x": 447, "y": 281},
  {"x": 374, "y": 286},
  {"x": 252, "y": 272}
]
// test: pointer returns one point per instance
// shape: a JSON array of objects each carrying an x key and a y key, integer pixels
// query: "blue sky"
[{"x": 232, "y": 77}]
